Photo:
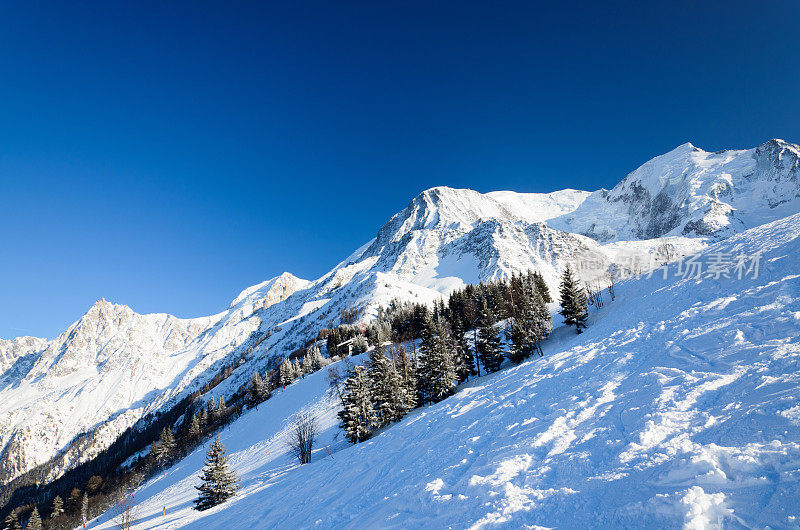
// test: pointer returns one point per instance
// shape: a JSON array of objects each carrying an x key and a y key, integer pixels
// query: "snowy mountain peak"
[
  {"x": 695, "y": 193},
  {"x": 271, "y": 291}
]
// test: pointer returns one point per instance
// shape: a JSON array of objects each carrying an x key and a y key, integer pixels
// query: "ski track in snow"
[{"x": 677, "y": 407}]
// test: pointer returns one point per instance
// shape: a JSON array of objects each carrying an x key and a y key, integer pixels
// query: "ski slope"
[{"x": 679, "y": 406}]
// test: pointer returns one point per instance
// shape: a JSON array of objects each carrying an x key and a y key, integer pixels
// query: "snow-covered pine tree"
[
  {"x": 358, "y": 416},
  {"x": 574, "y": 306},
  {"x": 297, "y": 370},
  {"x": 408, "y": 377},
  {"x": 155, "y": 451},
  {"x": 34, "y": 521},
  {"x": 308, "y": 363},
  {"x": 541, "y": 286},
  {"x": 317, "y": 361},
  {"x": 219, "y": 482},
  {"x": 360, "y": 344},
  {"x": 211, "y": 407},
  {"x": 194, "y": 427},
  {"x": 463, "y": 358},
  {"x": 258, "y": 390},
  {"x": 436, "y": 372},
  {"x": 387, "y": 389},
  {"x": 519, "y": 329},
  {"x": 221, "y": 410},
  {"x": 285, "y": 373},
  {"x": 489, "y": 352},
  {"x": 166, "y": 444},
  {"x": 11, "y": 521},
  {"x": 85, "y": 508},
  {"x": 58, "y": 508},
  {"x": 541, "y": 322}
]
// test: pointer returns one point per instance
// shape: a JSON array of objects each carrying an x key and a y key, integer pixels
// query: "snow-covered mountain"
[
  {"x": 688, "y": 417},
  {"x": 692, "y": 192},
  {"x": 113, "y": 366}
]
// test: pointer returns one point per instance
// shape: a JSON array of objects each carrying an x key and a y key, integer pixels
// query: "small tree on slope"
[
  {"x": 541, "y": 286},
  {"x": 34, "y": 521},
  {"x": 258, "y": 390},
  {"x": 11, "y": 522},
  {"x": 574, "y": 306},
  {"x": 219, "y": 482},
  {"x": 387, "y": 388},
  {"x": 489, "y": 352},
  {"x": 358, "y": 416},
  {"x": 437, "y": 371},
  {"x": 58, "y": 508},
  {"x": 85, "y": 508}
]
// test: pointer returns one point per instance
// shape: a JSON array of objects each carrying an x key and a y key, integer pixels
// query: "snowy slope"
[
  {"x": 691, "y": 417},
  {"x": 113, "y": 366}
]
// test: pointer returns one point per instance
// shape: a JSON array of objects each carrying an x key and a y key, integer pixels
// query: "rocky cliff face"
[{"x": 113, "y": 365}]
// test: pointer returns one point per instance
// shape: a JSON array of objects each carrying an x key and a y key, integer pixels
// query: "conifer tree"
[
  {"x": 387, "y": 389},
  {"x": 58, "y": 507},
  {"x": 436, "y": 371},
  {"x": 194, "y": 427},
  {"x": 408, "y": 378},
  {"x": 489, "y": 352},
  {"x": 315, "y": 355},
  {"x": 285, "y": 373},
  {"x": 211, "y": 408},
  {"x": 305, "y": 365},
  {"x": 297, "y": 371},
  {"x": 85, "y": 508},
  {"x": 74, "y": 499},
  {"x": 219, "y": 482},
  {"x": 574, "y": 306},
  {"x": 360, "y": 344},
  {"x": 11, "y": 521},
  {"x": 221, "y": 409},
  {"x": 258, "y": 390},
  {"x": 358, "y": 416},
  {"x": 34, "y": 521},
  {"x": 163, "y": 449},
  {"x": 463, "y": 359},
  {"x": 541, "y": 286}
]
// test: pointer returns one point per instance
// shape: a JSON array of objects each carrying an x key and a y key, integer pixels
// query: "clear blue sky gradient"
[{"x": 167, "y": 155}]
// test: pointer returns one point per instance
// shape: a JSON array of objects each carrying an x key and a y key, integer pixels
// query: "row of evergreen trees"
[
  {"x": 56, "y": 518},
  {"x": 456, "y": 340}
]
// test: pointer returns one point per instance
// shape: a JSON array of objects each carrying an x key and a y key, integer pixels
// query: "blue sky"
[{"x": 166, "y": 155}]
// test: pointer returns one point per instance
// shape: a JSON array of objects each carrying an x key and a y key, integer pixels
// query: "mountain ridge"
[{"x": 443, "y": 239}]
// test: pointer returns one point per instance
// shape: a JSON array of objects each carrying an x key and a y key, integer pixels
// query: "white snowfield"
[{"x": 679, "y": 406}]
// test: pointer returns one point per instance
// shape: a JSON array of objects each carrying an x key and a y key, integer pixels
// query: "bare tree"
[
  {"x": 335, "y": 381},
  {"x": 301, "y": 437},
  {"x": 126, "y": 507}
]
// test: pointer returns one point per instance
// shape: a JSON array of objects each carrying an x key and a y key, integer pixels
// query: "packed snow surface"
[{"x": 677, "y": 407}]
